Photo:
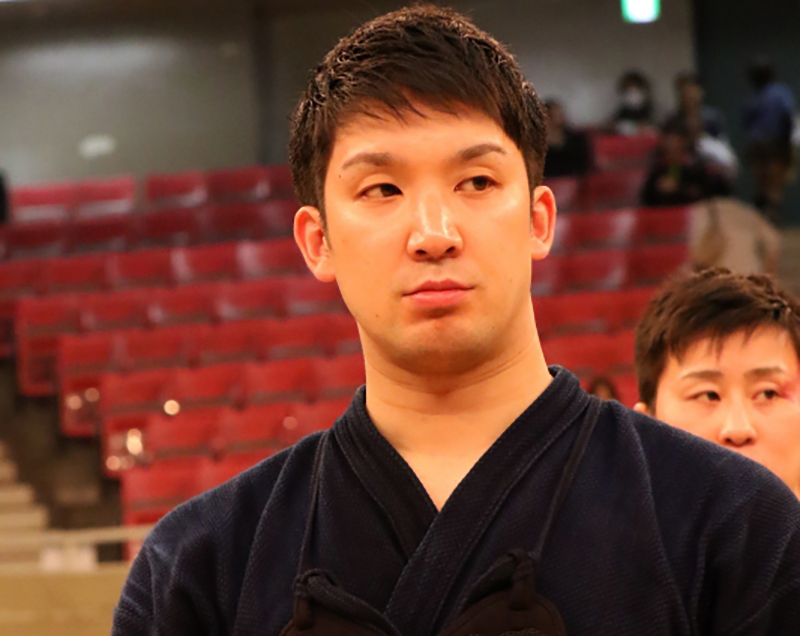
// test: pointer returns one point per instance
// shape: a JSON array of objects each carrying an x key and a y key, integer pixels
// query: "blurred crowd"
[{"x": 694, "y": 160}]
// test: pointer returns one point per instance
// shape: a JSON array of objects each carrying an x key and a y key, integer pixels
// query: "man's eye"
[
  {"x": 381, "y": 191},
  {"x": 476, "y": 184},
  {"x": 770, "y": 394},
  {"x": 707, "y": 396}
]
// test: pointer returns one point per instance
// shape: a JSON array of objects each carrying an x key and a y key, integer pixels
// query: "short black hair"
[
  {"x": 425, "y": 54},
  {"x": 712, "y": 303}
]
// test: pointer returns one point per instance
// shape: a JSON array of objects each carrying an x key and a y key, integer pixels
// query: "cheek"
[{"x": 686, "y": 416}]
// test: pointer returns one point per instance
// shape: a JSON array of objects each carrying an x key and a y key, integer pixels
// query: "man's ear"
[
  {"x": 311, "y": 238},
  {"x": 543, "y": 222},
  {"x": 641, "y": 407}
]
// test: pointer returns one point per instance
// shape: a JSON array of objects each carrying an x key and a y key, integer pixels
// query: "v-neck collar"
[{"x": 438, "y": 544}]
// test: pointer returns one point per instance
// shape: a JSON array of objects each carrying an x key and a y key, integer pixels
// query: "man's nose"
[
  {"x": 737, "y": 429},
  {"x": 434, "y": 235}
]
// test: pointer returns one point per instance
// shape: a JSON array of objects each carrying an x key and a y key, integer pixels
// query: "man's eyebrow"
[
  {"x": 376, "y": 159},
  {"x": 764, "y": 372},
  {"x": 702, "y": 374},
  {"x": 478, "y": 150}
]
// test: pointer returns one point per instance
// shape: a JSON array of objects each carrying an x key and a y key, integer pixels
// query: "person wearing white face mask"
[{"x": 634, "y": 114}]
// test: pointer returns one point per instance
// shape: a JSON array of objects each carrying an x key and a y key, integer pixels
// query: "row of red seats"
[
  {"x": 223, "y": 432},
  {"x": 126, "y": 401},
  {"x": 599, "y": 190},
  {"x": 184, "y": 431},
  {"x": 607, "y": 270},
  {"x": 163, "y": 267},
  {"x": 119, "y": 195},
  {"x": 39, "y": 322},
  {"x": 82, "y": 360},
  {"x": 171, "y": 226},
  {"x": 103, "y": 197},
  {"x": 634, "y": 227}
]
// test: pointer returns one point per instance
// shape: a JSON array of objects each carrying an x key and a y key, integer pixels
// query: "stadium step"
[
  {"x": 15, "y": 496},
  {"x": 29, "y": 518},
  {"x": 8, "y": 471}
]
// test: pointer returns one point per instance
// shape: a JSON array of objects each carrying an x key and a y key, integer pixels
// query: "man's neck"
[{"x": 443, "y": 426}]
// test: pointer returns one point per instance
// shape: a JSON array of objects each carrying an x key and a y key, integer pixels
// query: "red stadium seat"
[
  {"x": 113, "y": 311},
  {"x": 619, "y": 151},
  {"x": 562, "y": 238},
  {"x": 573, "y": 313},
  {"x": 588, "y": 355},
  {"x": 185, "y": 435},
  {"x": 147, "y": 268},
  {"x": 39, "y": 322},
  {"x": 340, "y": 333},
  {"x": 104, "y": 197},
  {"x": 270, "y": 258},
  {"x": 159, "y": 348},
  {"x": 18, "y": 279},
  {"x": 182, "y": 305},
  {"x": 227, "y": 342},
  {"x": 594, "y": 271},
  {"x": 626, "y": 307},
  {"x": 172, "y": 226},
  {"x": 627, "y": 388},
  {"x": 254, "y": 432},
  {"x": 238, "y": 220},
  {"x": 148, "y": 493},
  {"x": 81, "y": 360},
  {"x": 651, "y": 265},
  {"x": 46, "y": 202},
  {"x": 305, "y": 295},
  {"x": 102, "y": 234},
  {"x": 603, "y": 230},
  {"x": 279, "y": 381},
  {"x": 546, "y": 276},
  {"x": 300, "y": 337},
  {"x": 613, "y": 189},
  {"x": 206, "y": 263},
  {"x": 567, "y": 192},
  {"x": 278, "y": 216},
  {"x": 280, "y": 181},
  {"x": 204, "y": 387},
  {"x": 252, "y": 183},
  {"x": 253, "y": 299},
  {"x": 310, "y": 418},
  {"x": 662, "y": 225},
  {"x": 44, "y": 239},
  {"x": 75, "y": 274},
  {"x": 136, "y": 393},
  {"x": 182, "y": 189},
  {"x": 338, "y": 377}
]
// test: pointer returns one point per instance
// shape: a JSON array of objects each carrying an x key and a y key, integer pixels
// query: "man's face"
[
  {"x": 691, "y": 94},
  {"x": 430, "y": 235},
  {"x": 744, "y": 396}
]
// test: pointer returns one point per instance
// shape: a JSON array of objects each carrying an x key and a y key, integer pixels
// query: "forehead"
[
  {"x": 418, "y": 128},
  {"x": 738, "y": 353}
]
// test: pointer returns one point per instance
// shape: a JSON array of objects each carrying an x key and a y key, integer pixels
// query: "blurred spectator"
[
  {"x": 634, "y": 114},
  {"x": 4, "y": 201},
  {"x": 692, "y": 114},
  {"x": 678, "y": 175},
  {"x": 603, "y": 388},
  {"x": 768, "y": 123},
  {"x": 703, "y": 126},
  {"x": 718, "y": 355},
  {"x": 568, "y": 150}
]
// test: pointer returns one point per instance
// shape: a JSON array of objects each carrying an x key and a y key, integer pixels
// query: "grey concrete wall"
[
  {"x": 571, "y": 49},
  {"x": 173, "y": 92}
]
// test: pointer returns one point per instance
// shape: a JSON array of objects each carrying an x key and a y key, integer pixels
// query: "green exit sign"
[{"x": 640, "y": 11}]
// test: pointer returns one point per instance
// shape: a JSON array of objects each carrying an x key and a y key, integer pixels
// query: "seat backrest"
[
  {"x": 183, "y": 189},
  {"x": 45, "y": 202},
  {"x": 106, "y": 196},
  {"x": 250, "y": 183}
]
